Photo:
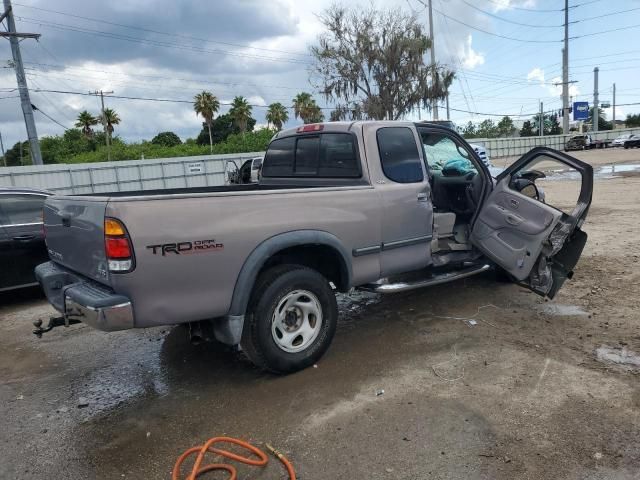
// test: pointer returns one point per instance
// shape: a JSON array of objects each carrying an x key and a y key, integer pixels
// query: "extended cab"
[{"x": 377, "y": 205}]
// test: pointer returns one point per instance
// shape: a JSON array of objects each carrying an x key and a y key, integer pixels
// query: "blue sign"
[{"x": 581, "y": 110}]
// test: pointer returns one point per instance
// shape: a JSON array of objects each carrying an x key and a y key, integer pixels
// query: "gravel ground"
[{"x": 533, "y": 390}]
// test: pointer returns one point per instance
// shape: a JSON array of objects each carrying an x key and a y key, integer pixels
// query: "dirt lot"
[{"x": 531, "y": 391}]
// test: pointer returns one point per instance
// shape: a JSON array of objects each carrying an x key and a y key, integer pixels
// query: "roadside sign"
[
  {"x": 580, "y": 110},
  {"x": 195, "y": 167}
]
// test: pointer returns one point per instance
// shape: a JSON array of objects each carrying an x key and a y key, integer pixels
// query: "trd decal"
[{"x": 186, "y": 248}]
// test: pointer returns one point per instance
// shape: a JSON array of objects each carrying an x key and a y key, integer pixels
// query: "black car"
[
  {"x": 632, "y": 142},
  {"x": 22, "y": 245}
]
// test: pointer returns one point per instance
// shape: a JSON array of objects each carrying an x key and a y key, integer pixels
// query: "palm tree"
[
  {"x": 277, "y": 115},
  {"x": 86, "y": 121},
  {"x": 110, "y": 118},
  {"x": 240, "y": 112},
  {"x": 206, "y": 104},
  {"x": 305, "y": 108}
]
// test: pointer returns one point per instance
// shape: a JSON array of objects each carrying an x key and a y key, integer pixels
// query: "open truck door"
[{"x": 536, "y": 243}]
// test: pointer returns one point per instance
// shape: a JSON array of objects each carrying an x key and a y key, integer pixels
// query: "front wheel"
[{"x": 291, "y": 320}]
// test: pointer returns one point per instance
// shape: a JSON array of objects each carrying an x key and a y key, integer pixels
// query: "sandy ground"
[{"x": 531, "y": 391}]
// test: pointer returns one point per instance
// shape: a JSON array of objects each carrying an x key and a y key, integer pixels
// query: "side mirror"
[{"x": 525, "y": 187}]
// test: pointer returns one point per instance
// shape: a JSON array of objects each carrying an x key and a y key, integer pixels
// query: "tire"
[{"x": 269, "y": 338}]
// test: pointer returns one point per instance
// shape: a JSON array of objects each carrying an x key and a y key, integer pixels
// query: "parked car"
[
  {"x": 578, "y": 142},
  {"x": 632, "y": 142},
  {"x": 482, "y": 153},
  {"x": 256, "y": 167},
  {"x": 248, "y": 172},
  {"x": 619, "y": 141},
  {"x": 381, "y": 206},
  {"x": 22, "y": 245}
]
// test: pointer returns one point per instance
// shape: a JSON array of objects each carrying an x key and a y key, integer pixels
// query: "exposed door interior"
[{"x": 457, "y": 183}]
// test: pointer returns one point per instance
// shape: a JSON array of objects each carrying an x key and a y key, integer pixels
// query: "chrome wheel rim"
[{"x": 296, "y": 321}]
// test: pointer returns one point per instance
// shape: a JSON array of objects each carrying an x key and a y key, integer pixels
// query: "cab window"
[{"x": 327, "y": 155}]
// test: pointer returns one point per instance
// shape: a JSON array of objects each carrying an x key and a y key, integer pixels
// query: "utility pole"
[
  {"x": 23, "y": 88},
  {"x": 448, "y": 115},
  {"x": 2, "y": 150},
  {"x": 595, "y": 118},
  {"x": 541, "y": 124},
  {"x": 614, "y": 106},
  {"x": 433, "y": 60},
  {"x": 104, "y": 122},
  {"x": 565, "y": 71}
]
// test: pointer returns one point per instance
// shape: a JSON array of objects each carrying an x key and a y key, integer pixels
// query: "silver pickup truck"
[{"x": 382, "y": 206}]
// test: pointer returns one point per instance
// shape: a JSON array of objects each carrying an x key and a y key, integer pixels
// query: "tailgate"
[{"x": 74, "y": 228}]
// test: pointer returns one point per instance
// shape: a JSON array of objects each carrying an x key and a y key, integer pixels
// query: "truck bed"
[{"x": 267, "y": 185}]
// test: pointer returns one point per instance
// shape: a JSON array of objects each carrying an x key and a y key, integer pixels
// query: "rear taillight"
[{"x": 117, "y": 246}]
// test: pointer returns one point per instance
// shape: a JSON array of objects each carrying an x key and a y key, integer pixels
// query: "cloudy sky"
[{"x": 507, "y": 55}]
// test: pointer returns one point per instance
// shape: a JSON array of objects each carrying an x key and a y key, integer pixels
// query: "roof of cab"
[{"x": 338, "y": 126}]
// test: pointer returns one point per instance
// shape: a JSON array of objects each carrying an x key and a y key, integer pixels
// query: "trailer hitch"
[{"x": 53, "y": 323}]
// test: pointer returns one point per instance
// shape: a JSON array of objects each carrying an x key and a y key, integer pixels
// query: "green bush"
[
  {"x": 166, "y": 139},
  {"x": 236, "y": 143}
]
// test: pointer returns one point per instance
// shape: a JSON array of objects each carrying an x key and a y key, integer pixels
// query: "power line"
[
  {"x": 501, "y": 4},
  {"x": 507, "y": 20},
  {"x": 604, "y": 31},
  {"x": 159, "y": 32},
  {"x": 50, "y": 118},
  {"x": 494, "y": 34},
  {"x": 150, "y": 99},
  {"x": 159, "y": 77},
  {"x": 157, "y": 43},
  {"x": 598, "y": 17}
]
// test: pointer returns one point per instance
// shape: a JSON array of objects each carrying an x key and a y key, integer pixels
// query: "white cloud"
[
  {"x": 510, "y": 4},
  {"x": 468, "y": 56},
  {"x": 553, "y": 86},
  {"x": 536, "y": 74}
]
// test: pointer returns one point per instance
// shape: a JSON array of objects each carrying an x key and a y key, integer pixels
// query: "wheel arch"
[{"x": 311, "y": 248}]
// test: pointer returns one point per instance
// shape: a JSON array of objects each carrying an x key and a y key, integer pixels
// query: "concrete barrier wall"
[
  {"x": 197, "y": 171},
  {"x": 508, "y": 147}
]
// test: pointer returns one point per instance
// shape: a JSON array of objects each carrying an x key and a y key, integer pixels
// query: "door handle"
[
  {"x": 24, "y": 238},
  {"x": 423, "y": 197},
  {"x": 513, "y": 220}
]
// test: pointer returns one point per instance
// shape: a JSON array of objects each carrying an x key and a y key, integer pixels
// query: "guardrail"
[{"x": 179, "y": 172}]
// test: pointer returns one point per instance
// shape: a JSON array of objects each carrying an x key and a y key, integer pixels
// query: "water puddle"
[
  {"x": 612, "y": 170},
  {"x": 601, "y": 172},
  {"x": 560, "y": 310},
  {"x": 618, "y": 355}
]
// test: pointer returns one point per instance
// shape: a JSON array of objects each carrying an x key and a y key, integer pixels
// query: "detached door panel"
[{"x": 534, "y": 236}]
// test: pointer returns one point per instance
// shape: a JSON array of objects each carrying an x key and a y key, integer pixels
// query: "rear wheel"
[{"x": 291, "y": 320}]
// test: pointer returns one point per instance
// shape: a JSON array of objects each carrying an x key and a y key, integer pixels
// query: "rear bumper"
[{"x": 79, "y": 298}]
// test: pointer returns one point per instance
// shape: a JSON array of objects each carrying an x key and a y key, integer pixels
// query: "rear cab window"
[{"x": 323, "y": 155}]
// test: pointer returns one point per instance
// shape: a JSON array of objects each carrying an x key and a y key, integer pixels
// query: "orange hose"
[{"x": 202, "y": 450}]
